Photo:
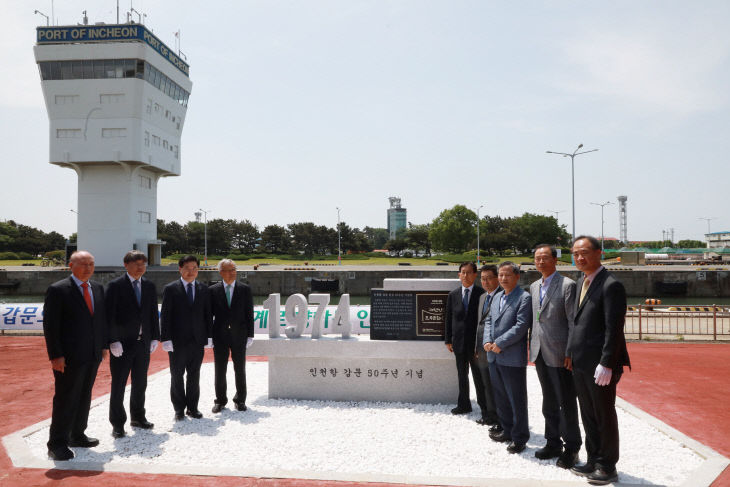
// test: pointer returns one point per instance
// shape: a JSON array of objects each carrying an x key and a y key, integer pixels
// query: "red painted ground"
[{"x": 685, "y": 385}]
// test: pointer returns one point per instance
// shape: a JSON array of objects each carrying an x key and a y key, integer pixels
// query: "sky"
[{"x": 299, "y": 107}]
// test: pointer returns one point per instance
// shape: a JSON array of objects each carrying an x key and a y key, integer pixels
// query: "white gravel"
[{"x": 353, "y": 438}]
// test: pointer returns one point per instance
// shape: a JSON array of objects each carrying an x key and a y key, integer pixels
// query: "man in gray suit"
[
  {"x": 505, "y": 341},
  {"x": 553, "y": 309},
  {"x": 490, "y": 284}
]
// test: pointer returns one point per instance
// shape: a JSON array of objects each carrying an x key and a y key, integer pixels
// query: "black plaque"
[{"x": 407, "y": 315}]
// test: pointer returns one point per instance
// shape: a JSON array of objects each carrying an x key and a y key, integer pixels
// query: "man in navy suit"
[
  {"x": 74, "y": 326},
  {"x": 232, "y": 306},
  {"x": 597, "y": 348},
  {"x": 462, "y": 314},
  {"x": 505, "y": 340},
  {"x": 186, "y": 326},
  {"x": 134, "y": 333}
]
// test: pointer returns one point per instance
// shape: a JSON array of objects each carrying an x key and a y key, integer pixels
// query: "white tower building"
[{"x": 116, "y": 98}]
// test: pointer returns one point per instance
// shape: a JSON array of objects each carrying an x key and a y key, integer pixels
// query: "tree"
[
  {"x": 376, "y": 237},
  {"x": 454, "y": 230},
  {"x": 417, "y": 238},
  {"x": 396, "y": 245},
  {"x": 245, "y": 236},
  {"x": 496, "y": 235},
  {"x": 275, "y": 239},
  {"x": 691, "y": 244},
  {"x": 530, "y": 230},
  {"x": 173, "y": 234}
]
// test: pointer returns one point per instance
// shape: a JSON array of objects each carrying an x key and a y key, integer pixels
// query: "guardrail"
[{"x": 684, "y": 321}]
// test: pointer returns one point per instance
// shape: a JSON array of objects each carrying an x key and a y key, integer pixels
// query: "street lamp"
[
  {"x": 602, "y": 205},
  {"x": 557, "y": 212},
  {"x": 572, "y": 173},
  {"x": 205, "y": 233},
  {"x": 708, "y": 221},
  {"x": 482, "y": 206},
  {"x": 41, "y": 13},
  {"x": 339, "y": 239}
]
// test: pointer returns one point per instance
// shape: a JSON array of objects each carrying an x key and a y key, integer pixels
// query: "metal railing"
[{"x": 698, "y": 322}]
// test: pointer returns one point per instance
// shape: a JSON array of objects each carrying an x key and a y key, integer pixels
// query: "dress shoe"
[
  {"x": 179, "y": 416},
  {"x": 601, "y": 476},
  {"x": 217, "y": 407},
  {"x": 241, "y": 406},
  {"x": 515, "y": 447},
  {"x": 584, "y": 469},
  {"x": 486, "y": 421},
  {"x": 567, "y": 459},
  {"x": 495, "y": 428},
  {"x": 60, "y": 453},
  {"x": 83, "y": 442},
  {"x": 118, "y": 432},
  {"x": 548, "y": 452},
  {"x": 141, "y": 423},
  {"x": 500, "y": 437},
  {"x": 195, "y": 414},
  {"x": 460, "y": 410}
]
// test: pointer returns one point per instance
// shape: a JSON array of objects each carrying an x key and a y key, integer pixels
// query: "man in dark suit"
[
  {"x": 74, "y": 325},
  {"x": 134, "y": 333},
  {"x": 505, "y": 341},
  {"x": 490, "y": 284},
  {"x": 232, "y": 306},
  {"x": 553, "y": 308},
  {"x": 461, "y": 325},
  {"x": 186, "y": 326},
  {"x": 597, "y": 347}
]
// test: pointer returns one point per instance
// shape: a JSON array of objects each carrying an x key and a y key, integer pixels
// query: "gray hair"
[
  {"x": 226, "y": 262},
  {"x": 515, "y": 268}
]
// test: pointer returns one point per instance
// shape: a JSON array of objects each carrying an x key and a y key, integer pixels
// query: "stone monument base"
[{"x": 358, "y": 369}]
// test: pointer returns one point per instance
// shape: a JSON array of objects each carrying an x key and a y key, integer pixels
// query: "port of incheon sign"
[{"x": 407, "y": 315}]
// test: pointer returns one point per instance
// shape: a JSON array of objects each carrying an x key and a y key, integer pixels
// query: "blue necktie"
[
  {"x": 137, "y": 292},
  {"x": 190, "y": 293},
  {"x": 465, "y": 300},
  {"x": 487, "y": 302}
]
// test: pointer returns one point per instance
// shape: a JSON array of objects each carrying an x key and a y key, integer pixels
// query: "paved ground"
[{"x": 684, "y": 385}]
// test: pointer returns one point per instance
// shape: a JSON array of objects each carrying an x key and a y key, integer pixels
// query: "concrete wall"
[{"x": 643, "y": 282}]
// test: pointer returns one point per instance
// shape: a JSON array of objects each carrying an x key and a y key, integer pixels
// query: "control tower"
[
  {"x": 396, "y": 217},
  {"x": 116, "y": 98}
]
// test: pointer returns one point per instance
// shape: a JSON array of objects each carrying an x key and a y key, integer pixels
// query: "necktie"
[
  {"x": 137, "y": 292},
  {"x": 190, "y": 293},
  {"x": 487, "y": 302},
  {"x": 465, "y": 300},
  {"x": 583, "y": 290},
  {"x": 87, "y": 297},
  {"x": 228, "y": 294}
]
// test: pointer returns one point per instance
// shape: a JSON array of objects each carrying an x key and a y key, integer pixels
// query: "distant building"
[
  {"x": 396, "y": 217},
  {"x": 717, "y": 239}
]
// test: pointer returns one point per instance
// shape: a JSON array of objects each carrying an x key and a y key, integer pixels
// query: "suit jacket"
[
  {"x": 461, "y": 327},
  {"x": 182, "y": 322},
  {"x": 231, "y": 326},
  {"x": 597, "y": 335},
  {"x": 549, "y": 334},
  {"x": 508, "y": 328},
  {"x": 483, "y": 315},
  {"x": 69, "y": 328},
  {"x": 125, "y": 316}
]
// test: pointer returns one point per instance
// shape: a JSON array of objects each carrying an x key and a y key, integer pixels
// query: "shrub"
[
  {"x": 25, "y": 256},
  {"x": 237, "y": 257},
  {"x": 8, "y": 256}
]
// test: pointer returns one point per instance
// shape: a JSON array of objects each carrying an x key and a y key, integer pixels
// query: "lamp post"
[
  {"x": 41, "y": 13},
  {"x": 557, "y": 212},
  {"x": 708, "y": 221},
  {"x": 339, "y": 239},
  {"x": 478, "y": 235},
  {"x": 205, "y": 234},
  {"x": 602, "y": 205},
  {"x": 572, "y": 173}
]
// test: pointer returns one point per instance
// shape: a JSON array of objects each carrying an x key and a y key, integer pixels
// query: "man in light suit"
[
  {"x": 505, "y": 341},
  {"x": 553, "y": 308},
  {"x": 232, "y": 306},
  {"x": 134, "y": 333},
  {"x": 490, "y": 284},
  {"x": 597, "y": 348},
  {"x": 74, "y": 326},
  {"x": 186, "y": 326},
  {"x": 460, "y": 335}
]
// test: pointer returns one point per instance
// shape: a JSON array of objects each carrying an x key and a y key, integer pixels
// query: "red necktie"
[{"x": 87, "y": 297}]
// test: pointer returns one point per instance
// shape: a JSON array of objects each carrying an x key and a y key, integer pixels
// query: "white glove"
[
  {"x": 602, "y": 375},
  {"x": 249, "y": 342},
  {"x": 153, "y": 345},
  {"x": 116, "y": 349},
  {"x": 210, "y": 343},
  {"x": 167, "y": 346}
]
